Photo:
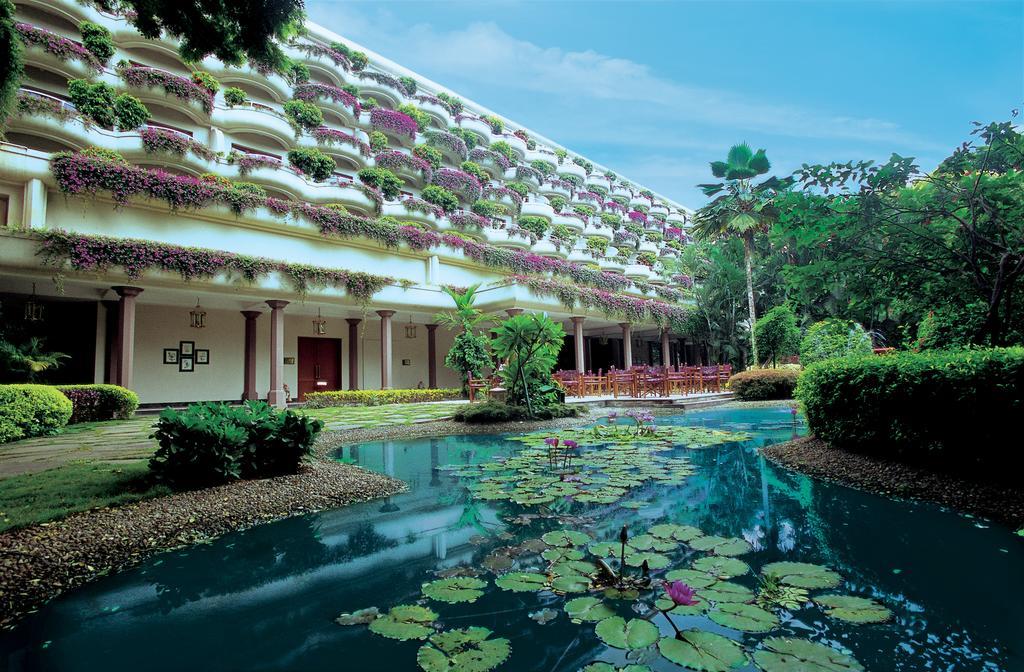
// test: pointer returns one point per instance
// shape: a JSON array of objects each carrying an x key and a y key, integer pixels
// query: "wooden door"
[{"x": 319, "y": 365}]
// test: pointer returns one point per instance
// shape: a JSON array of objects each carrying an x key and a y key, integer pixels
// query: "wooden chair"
[
  {"x": 622, "y": 382},
  {"x": 476, "y": 384}
]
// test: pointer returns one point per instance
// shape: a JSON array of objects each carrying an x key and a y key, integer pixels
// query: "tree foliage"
[
  {"x": 529, "y": 346},
  {"x": 777, "y": 334}
]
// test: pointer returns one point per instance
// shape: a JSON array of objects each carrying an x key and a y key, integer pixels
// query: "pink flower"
[
  {"x": 551, "y": 441},
  {"x": 681, "y": 594}
]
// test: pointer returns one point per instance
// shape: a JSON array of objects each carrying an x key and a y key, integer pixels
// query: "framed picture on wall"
[
  {"x": 202, "y": 356},
  {"x": 186, "y": 364},
  {"x": 170, "y": 356},
  {"x": 187, "y": 348}
]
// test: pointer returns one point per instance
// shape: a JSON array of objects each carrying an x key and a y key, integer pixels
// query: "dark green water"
[{"x": 265, "y": 599}]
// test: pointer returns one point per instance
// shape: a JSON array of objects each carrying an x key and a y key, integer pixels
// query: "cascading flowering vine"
[
  {"x": 332, "y": 136},
  {"x": 637, "y": 216},
  {"x": 61, "y": 47},
  {"x": 311, "y": 91},
  {"x": 498, "y": 193},
  {"x": 394, "y": 159},
  {"x": 384, "y": 119},
  {"x": 163, "y": 140},
  {"x": 249, "y": 162},
  {"x": 445, "y": 140},
  {"x": 460, "y": 183},
  {"x": 80, "y": 174},
  {"x": 480, "y": 154},
  {"x": 179, "y": 87},
  {"x": 336, "y": 57},
  {"x": 136, "y": 257}
]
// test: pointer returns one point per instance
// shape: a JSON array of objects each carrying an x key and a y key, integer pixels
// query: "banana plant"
[{"x": 740, "y": 209}]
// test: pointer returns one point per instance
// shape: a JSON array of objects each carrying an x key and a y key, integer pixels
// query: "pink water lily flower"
[
  {"x": 681, "y": 594},
  {"x": 570, "y": 444},
  {"x": 551, "y": 441}
]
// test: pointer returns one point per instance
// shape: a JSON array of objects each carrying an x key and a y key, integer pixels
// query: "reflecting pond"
[{"x": 266, "y": 598}]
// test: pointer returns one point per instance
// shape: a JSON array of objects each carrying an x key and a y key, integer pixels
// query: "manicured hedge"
[
  {"x": 952, "y": 407},
  {"x": 31, "y": 410},
  {"x": 100, "y": 402},
  {"x": 210, "y": 443},
  {"x": 761, "y": 384},
  {"x": 378, "y": 397}
]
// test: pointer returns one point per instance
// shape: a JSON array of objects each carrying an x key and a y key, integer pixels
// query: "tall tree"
[{"x": 740, "y": 210}]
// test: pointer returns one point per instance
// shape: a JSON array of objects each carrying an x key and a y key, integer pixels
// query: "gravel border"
[
  {"x": 817, "y": 458},
  {"x": 40, "y": 562}
]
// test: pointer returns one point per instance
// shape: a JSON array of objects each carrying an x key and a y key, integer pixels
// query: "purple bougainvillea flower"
[{"x": 680, "y": 593}]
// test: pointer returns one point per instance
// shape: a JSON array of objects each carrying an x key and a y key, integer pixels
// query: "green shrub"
[
  {"x": 496, "y": 124},
  {"x": 235, "y": 96},
  {"x": 556, "y": 202},
  {"x": 94, "y": 101},
  {"x": 440, "y": 197},
  {"x": 421, "y": 118},
  {"x": 211, "y": 443},
  {"x": 776, "y": 334},
  {"x": 761, "y": 384},
  {"x": 584, "y": 209},
  {"x": 410, "y": 84},
  {"x": 432, "y": 156},
  {"x": 534, "y": 224},
  {"x": 378, "y": 397},
  {"x": 378, "y": 141},
  {"x": 296, "y": 73},
  {"x": 493, "y": 411},
  {"x": 954, "y": 407},
  {"x": 467, "y": 137},
  {"x": 32, "y": 410},
  {"x": 130, "y": 112},
  {"x": 312, "y": 162},
  {"x": 488, "y": 209},
  {"x": 520, "y": 188},
  {"x": 381, "y": 178},
  {"x": 105, "y": 154},
  {"x": 303, "y": 115},
  {"x": 597, "y": 245},
  {"x": 951, "y": 326},
  {"x": 474, "y": 169},
  {"x": 455, "y": 102},
  {"x": 93, "y": 403},
  {"x": 833, "y": 338},
  {"x": 97, "y": 40},
  {"x": 505, "y": 149},
  {"x": 543, "y": 167},
  {"x": 206, "y": 80}
]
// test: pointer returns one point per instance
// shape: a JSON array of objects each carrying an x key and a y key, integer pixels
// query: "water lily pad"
[
  {"x": 605, "y": 549},
  {"x": 467, "y": 650},
  {"x": 745, "y": 617},
  {"x": 648, "y": 542},
  {"x": 725, "y": 591},
  {"x": 571, "y": 583},
  {"x": 544, "y": 616},
  {"x": 654, "y": 560},
  {"x": 783, "y": 654},
  {"x": 703, "y": 651},
  {"x": 521, "y": 582},
  {"x": 455, "y": 590},
  {"x": 691, "y": 577},
  {"x": 360, "y": 617},
  {"x": 621, "y": 593},
  {"x": 636, "y": 633},
  {"x": 678, "y": 532},
  {"x": 560, "y": 554},
  {"x": 608, "y": 667},
  {"x": 565, "y": 538},
  {"x": 853, "y": 609},
  {"x": 588, "y": 609},
  {"x": 406, "y": 621},
  {"x": 720, "y": 545},
  {"x": 722, "y": 567},
  {"x": 666, "y": 604},
  {"x": 802, "y": 575}
]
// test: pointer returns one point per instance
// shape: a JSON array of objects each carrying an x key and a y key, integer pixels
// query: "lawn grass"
[{"x": 55, "y": 493}]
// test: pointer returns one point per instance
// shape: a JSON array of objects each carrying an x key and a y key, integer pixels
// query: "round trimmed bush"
[
  {"x": 440, "y": 197},
  {"x": 92, "y": 403},
  {"x": 235, "y": 96},
  {"x": 833, "y": 338},
  {"x": 763, "y": 384},
  {"x": 312, "y": 162},
  {"x": 130, "y": 112},
  {"x": 390, "y": 185},
  {"x": 97, "y": 40},
  {"x": 303, "y": 115},
  {"x": 32, "y": 410}
]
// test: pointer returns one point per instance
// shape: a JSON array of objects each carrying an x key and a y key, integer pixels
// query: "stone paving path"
[{"x": 123, "y": 440}]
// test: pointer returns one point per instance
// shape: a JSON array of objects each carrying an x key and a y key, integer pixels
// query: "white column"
[
  {"x": 577, "y": 332},
  {"x": 33, "y": 212},
  {"x": 385, "y": 348},
  {"x": 627, "y": 345},
  {"x": 276, "y": 396}
]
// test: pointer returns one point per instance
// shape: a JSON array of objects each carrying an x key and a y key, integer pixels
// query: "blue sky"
[{"x": 656, "y": 90}]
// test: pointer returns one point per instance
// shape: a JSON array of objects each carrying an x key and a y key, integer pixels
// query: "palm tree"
[
  {"x": 466, "y": 317},
  {"x": 28, "y": 359},
  {"x": 468, "y": 354},
  {"x": 742, "y": 210}
]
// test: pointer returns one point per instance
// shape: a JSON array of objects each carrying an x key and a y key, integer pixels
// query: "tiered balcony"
[
  {"x": 659, "y": 208},
  {"x": 388, "y": 93},
  {"x": 399, "y": 210},
  {"x": 570, "y": 168},
  {"x": 73, "y": 68},
  {"x": 677, "y": 218},
  {"x": 636, "y": 272},
  {"x": 597, "y": 180},
  {"x": 438, "y": 113},
  {"x": 592, "y": 230},
  {"x": 540, "y": 154},
  {"x": 254, "y": 118},
  {"x": 501, "y": 238},
  {"x": 342, "y": 153},
  {"x": 271, "y": 82},
  {"x": 478, "y": 127},
  {"x": 321, "y": 64},
  {"x": 572, "y": 223},
  {"x": 637, "y": 199},
  {"x": 546, "y": 248},
  {"x": 537, "y": 209},
  {"x": 549, "y": 189},
  {"x": 648, "y": 246},
  {"x": 619, "y": 190},
  {"x": 517, "y": 144}
]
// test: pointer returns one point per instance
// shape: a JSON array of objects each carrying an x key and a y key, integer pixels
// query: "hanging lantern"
[
  {"x": 34, "y": 309},
  {"x": 197, "y": 316},
  {"x": 319, "y": 324},
  {"x": 410, "y": 329}
]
